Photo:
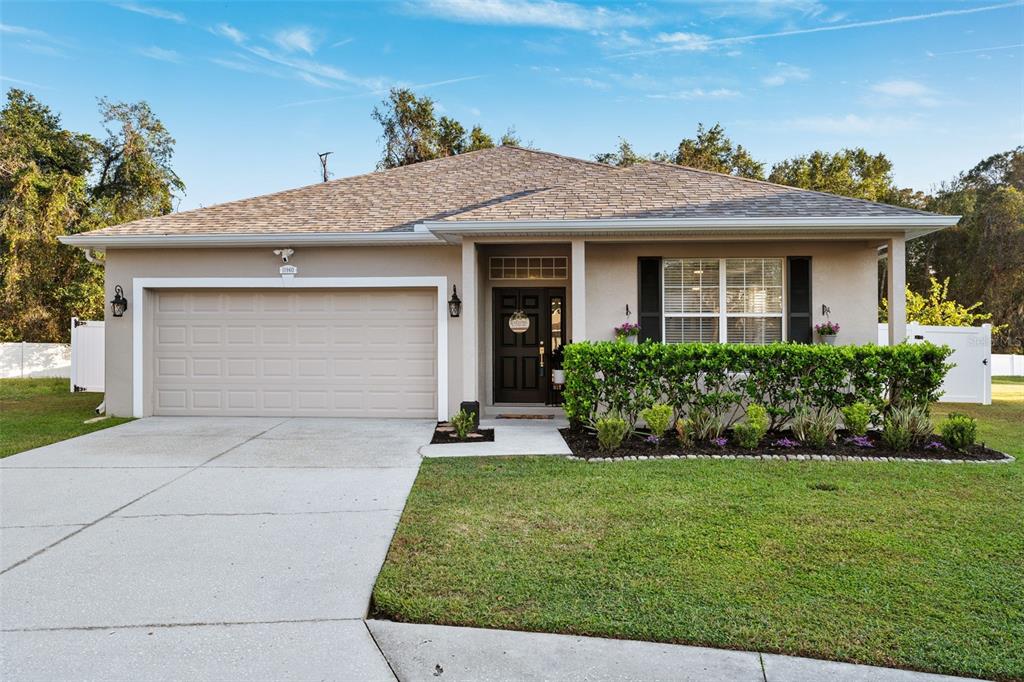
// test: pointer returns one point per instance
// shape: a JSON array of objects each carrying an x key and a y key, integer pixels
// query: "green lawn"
[
  {"x": 36, "y": 412},
  {"x": 909, "y": 565}
]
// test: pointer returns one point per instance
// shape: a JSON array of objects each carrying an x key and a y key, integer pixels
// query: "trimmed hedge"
[{"x": 726, "y": 378}]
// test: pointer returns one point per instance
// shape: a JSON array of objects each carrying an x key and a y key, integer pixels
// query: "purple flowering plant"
[
  {"x": 721, "y": 441},
  {"x": 627, "y": 329},
  {"x": 935, "y": 445},
  {"x": 860, "y": 442},
  {"x": 653, "y": 440},
  {"x": 827, "y": 328},
  {"x": 787, "y": 443}
]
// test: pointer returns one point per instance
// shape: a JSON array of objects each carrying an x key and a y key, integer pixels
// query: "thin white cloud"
[
  {"x": 24, "y": 32},
  {"x": 831, "y": 27},
  {"x": 901, "y": 92},
  {"x": 698, "y": 93},
  {"x": 785, "y": 73},
  {"x": 319, "y": 70},
  {"x": 344, "y": 41},
  {"x": 297, "y": 39},
  {"x": 416, "y": 86},
  {"x": 977, "y": 49},
  {"x": 683, "y": 41},
  {"x": 18, "y": 81},
  {"x": 151, "y": 11},
  {"x": 852, "y": 124},
  {"x": 586, "y": 82},
  {"x": 900, "y": 88},
  {"x": 160, "y": 54},
  {"x": 230, "y": 32},
  {"x": 545, "y": 13}
]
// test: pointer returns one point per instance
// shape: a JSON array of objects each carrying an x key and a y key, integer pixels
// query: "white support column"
[
  {"x": 896, "y": 279},
  {"x": 579, "y": 290},
  {"x": 470, "y": 317}
]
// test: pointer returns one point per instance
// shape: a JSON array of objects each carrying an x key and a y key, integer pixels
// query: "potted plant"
[
  {"x": 557, "y": 373},
  {"x": 827, "y": 331},
  {"x": 627, "y": 332}
]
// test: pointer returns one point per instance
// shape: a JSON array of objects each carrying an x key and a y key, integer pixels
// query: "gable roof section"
[
  {"x": 663, "y": 191},
  {"x": 500, "y": 186},
  {"x": 391, "y": 200}
]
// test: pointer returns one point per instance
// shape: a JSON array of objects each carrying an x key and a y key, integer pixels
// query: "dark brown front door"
[{"x": 522, "y": 361}]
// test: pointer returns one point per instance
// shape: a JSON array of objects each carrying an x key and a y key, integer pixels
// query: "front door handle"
[{"x": 540, "y": 351}]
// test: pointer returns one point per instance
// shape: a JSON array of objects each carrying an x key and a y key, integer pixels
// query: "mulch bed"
[
  {"x": 584, "y": 444},
  {"x": 444, "y": 434}
]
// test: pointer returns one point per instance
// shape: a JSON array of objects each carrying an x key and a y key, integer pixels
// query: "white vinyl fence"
[
  {"x": 21, "y": 360},
  {"x": 1004, "y": 365},
  {"x": 87, "y": 355},
  {"x": 970, "y": 380}
]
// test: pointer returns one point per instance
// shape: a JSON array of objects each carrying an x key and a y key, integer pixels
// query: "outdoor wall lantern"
[
  {"x": 454, "y": 303},
  {"x": 119, "y": 304}
]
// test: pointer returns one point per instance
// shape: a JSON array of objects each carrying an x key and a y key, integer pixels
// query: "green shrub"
[
  {"x": 906, "y": 426},
  {"x": 611, "y": 431},
  {"x": 748, "y": 434},
  {"x": 657, "y": 417},
  {"x": 856, "y": 418},
  {"x": 725, "y": 378},
  {"x": 704, "y": 425},
  {"x": 959, "y": 431},
  {"x": 463, "y": 423},
  {"x": 817, "y": 427},
  {"x": 683, "y": 432}
]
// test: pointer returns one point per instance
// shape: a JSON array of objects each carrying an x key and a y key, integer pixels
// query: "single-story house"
[{"x": 338, "y": 299}]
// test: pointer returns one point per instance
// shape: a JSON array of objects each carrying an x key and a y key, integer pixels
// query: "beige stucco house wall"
[{"x": 844, "y": 277}]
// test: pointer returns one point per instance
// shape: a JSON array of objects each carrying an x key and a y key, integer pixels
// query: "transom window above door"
[
  {"x": 528, "y": 267},
  {"x": 708, "y": 300}
]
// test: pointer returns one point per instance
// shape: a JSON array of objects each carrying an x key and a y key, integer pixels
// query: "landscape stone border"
[{"x": 1007, "y": 459}]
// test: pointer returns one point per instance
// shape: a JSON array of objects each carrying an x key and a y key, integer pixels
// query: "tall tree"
[
  {"x": 411, "y": 132},
  {"x": 623, "y": 157},
  {"x": 848, "y": 172},
  {"x": 55, "y": 182},
  {"x": 712, "y": 150},
  {"x": 983, "y": 256}
]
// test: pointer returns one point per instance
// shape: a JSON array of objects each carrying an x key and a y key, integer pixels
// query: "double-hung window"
[{"x": 709, "y": 300}]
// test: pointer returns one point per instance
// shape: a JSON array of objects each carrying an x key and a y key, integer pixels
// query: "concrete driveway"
[{"x": 200, "y": 548}]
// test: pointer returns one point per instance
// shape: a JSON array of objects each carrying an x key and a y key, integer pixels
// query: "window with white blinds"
[{"x": 708, "y": 300}]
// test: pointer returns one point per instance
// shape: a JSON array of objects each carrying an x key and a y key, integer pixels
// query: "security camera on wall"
[{"x": 285, "y": 254}]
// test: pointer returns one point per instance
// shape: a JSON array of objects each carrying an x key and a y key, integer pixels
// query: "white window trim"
[
  {"x": 141, "y": 284},
  {"x": 722, "y": 315}
]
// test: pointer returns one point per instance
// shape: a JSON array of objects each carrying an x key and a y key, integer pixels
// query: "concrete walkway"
[
  {"x": 179, "y": 548},
  {"x": 435, "y": 652},
  {"x": 511, "y": 437}
]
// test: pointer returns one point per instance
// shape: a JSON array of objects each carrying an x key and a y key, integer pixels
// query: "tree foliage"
[
  {"x": 411, "y": 132},
  {"x": 55, "y": 182},
  {"x": 623, "y": 157},
  {"x": 983, "y": 256},
  {"x": 848, "y": 172},
  {"x": 712, "y": 150},
  {"x": 937, "y": 308}
]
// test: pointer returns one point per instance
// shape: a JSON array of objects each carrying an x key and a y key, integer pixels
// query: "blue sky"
[{"x": 252, "y": 91}]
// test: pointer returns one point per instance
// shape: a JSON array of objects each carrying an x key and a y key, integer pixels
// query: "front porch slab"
[{"x": 511, "y": 437}]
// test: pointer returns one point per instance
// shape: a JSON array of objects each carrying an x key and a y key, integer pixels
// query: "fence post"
[{"x": 22, "y": 358}]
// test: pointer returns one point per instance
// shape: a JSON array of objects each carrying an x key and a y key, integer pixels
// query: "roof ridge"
[
  {"x": 564, "y": 157},
  {"x": 756, "y": 181}
]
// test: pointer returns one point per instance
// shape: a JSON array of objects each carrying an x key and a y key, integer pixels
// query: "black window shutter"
[
  {"x": 799, "y": 286},
  {"x": 649, "y": 288}
]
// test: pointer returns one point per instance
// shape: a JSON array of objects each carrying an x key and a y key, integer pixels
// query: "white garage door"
[{"x": 331, "y": 353}]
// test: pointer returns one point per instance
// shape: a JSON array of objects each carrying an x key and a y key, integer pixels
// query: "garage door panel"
[{"x": 344, "y": 353}]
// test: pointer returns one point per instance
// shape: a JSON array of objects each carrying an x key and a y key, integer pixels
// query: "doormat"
[{"x": 525, "y": 416}]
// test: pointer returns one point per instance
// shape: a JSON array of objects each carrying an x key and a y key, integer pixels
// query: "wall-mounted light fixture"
[
  {"x": 454, "y": 303},
  {"x": 119, "y": 303}
]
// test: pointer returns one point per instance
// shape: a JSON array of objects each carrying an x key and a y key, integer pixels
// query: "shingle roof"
[
  {"x": 503, "y": 184},
  {"x": 663, "y": 190}
]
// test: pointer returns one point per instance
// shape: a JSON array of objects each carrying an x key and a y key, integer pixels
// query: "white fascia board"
[
  {"x": 926, "y": 222},
  {"x": 85, "y": 240}
]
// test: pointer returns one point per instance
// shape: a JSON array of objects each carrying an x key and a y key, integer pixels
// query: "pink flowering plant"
[
  {"x": 827, "y": 328},
  {"x": 627, "y": 329}
]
